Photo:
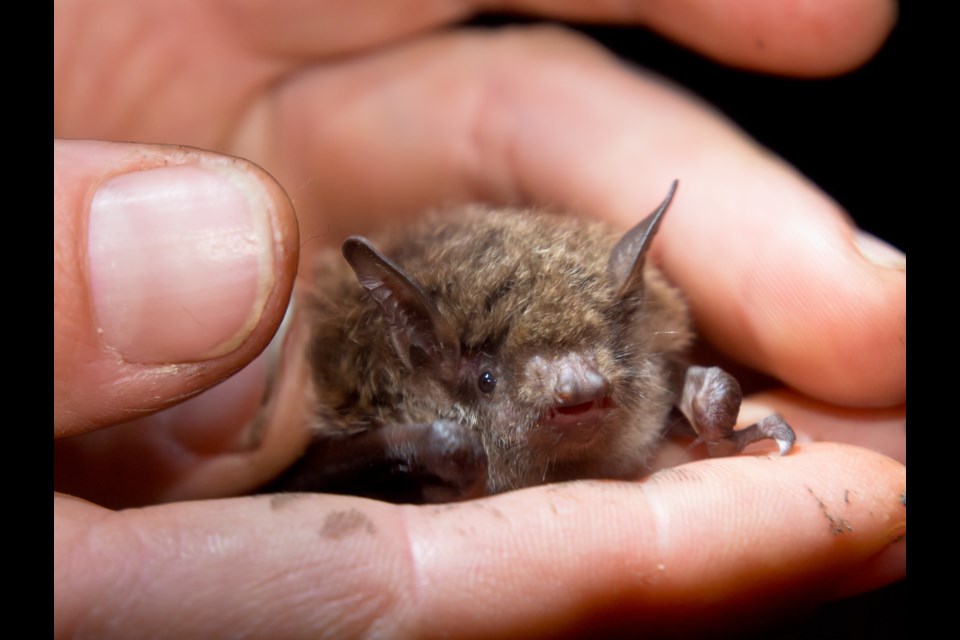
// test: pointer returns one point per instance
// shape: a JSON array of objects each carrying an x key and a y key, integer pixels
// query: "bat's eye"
[{"x": 487, "y": 382}]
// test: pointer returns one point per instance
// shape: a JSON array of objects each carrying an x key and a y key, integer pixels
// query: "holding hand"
[{"x": 173, "y": 268}]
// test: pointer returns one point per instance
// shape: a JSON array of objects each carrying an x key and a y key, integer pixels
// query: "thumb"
[{"x": 173, "y": 268}]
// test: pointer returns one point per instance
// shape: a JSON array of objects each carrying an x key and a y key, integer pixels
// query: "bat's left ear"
[
  {"x": 625, "y": 267},
  {"x": 421, "y": 336}
]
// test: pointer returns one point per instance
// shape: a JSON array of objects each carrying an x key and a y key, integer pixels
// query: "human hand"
[{"x": 537, "y": 115}]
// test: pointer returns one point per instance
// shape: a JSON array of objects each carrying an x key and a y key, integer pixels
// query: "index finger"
[
  {"x": 775, "y": 534},
  {"x": 813, "y": 38}
]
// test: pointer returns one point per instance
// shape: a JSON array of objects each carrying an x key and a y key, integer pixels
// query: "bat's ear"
[
  {"x": 421, "y": 336},
  {"x": 625, "y": 267}
]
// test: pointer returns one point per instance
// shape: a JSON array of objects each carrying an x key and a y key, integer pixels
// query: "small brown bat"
[{"x": 481, "y": 350}]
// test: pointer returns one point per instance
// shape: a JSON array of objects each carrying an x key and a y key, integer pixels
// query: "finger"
[
  {"x": 228, "y": 440},
  {"x": 724, "y": 543},
  {"x": 775, "y": 273},
  {"x": 206, "y": 64},
  {"x": 172, "y": 269},
  {"x": 188, "y": 72},
  {"x": 812, "y": 39}
]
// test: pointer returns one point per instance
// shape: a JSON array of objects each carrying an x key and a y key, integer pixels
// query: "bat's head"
[{"x": 543, "y": 333}]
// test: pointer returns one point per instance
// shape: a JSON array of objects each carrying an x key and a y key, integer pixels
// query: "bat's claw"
[
  {"x": 773, "y": 427},
  {"x": 777, "y": 429}
]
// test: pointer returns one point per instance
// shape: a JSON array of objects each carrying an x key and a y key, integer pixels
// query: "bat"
[{"x": 481, "y": 350}]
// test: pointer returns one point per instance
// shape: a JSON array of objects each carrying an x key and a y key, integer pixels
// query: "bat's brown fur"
[{"x": 515, "y": 285}]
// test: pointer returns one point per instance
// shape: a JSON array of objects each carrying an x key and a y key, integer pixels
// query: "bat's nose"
[
  {"x": 567, "y": 380},
  {"x": 578, "y": 382},
  {"x": 577, "y": 395}
]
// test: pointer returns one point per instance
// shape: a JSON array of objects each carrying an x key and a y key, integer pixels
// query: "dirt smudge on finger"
[
  {"x": 339, "y": 524},
  {"x": 838, "y": 526}
]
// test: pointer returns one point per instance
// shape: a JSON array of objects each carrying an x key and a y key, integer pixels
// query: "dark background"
[{"x": 851, "y": 135}]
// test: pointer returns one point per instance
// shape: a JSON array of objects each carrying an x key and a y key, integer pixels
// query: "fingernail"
[
  {"x": 180, "y": 261},
  {"x": 879, "y": 252}
]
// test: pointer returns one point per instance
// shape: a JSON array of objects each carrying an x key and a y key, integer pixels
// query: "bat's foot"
[
  {"x": 773, "y": 427},
  {"x": 711, "y": 400}
]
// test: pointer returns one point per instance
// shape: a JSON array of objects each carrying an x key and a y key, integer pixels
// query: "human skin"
[{"x": 360, "y": 116}]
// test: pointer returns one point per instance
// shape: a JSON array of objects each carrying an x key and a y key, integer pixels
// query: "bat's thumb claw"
[{"x": 776, "y": 428}]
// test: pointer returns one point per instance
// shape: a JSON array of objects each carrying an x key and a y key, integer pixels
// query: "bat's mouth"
[{"x": 577, "y": 422}]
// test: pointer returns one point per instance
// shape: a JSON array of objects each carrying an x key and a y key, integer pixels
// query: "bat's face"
[
  {"x": 586, "y": 395},
  {"x": 530, "y": 341}
]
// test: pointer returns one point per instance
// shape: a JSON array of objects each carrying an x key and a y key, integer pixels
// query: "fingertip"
[
  {"x": 172, "y": 267},
  {"x": 776, "y": 278},
  {"x": 839, "y": 334},
  {"x": 879, "y": 253},
  {"x": 803, "y": 39},
  {"x": 721, "y": 543}
]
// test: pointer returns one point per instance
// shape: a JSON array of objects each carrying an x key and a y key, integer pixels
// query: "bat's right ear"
[
  {"x": 625, "y": 267},
  {"x": 421, "y": 336}
]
